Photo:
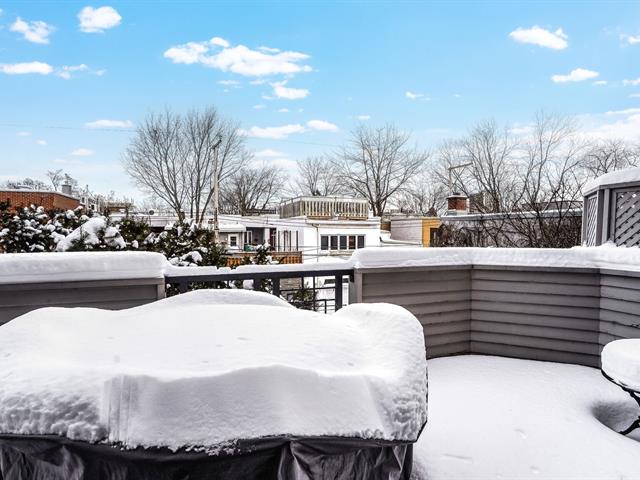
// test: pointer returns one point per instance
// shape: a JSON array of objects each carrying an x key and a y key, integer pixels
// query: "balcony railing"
[{"x": 317, "y": 288}]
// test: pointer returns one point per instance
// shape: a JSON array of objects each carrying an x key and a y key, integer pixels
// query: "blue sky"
[{"x": 431, "y": 68}]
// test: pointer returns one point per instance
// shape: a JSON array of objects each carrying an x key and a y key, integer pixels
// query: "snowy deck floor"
[{"x": 498, "y": 418}]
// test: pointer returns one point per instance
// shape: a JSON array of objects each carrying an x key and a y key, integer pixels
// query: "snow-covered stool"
[
  {"x": 211, "y": 384},
  {"x": 621, "y": 365}
]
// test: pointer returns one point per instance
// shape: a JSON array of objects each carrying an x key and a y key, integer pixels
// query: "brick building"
[{"x": 47, "y": 199}]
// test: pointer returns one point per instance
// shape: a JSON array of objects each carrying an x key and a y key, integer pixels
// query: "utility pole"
[{"x": 216, "y": 191}]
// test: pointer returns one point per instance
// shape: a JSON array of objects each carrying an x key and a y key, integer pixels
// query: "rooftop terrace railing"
[
  {"x": 313, "y": 287},
  {"x": 552, "y": 305}
]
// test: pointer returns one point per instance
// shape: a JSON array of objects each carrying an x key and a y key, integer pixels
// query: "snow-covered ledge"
[
  {"x": 543, "y": 304},
  {"x": 111, "y": 280}
]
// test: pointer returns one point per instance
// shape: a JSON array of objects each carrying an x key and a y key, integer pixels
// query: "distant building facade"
[{"x": 50, "y": 200}]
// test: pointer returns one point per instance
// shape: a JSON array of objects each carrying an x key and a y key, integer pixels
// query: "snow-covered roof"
[
  {"x": 209, "y": 367},
  {"x": 628, "y": 175}
]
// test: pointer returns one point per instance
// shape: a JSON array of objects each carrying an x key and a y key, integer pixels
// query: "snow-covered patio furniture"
[
  {"x": 211, "y": 384},
  {"x": 621, "y": 365}
]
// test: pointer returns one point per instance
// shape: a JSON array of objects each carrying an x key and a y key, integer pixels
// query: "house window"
[
  {"x": 341, "y": 242},
  {"x": 233, "y": 240}
]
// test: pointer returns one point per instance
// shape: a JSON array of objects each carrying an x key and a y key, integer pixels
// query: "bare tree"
[
  {"x": 252, "y": 188},
  {"x": 424, "y": 194},
  {"x": 56, "y": 178},
  {"x": 176, "y": 158},
  {"x": 489, "y": 152},
  {"x": 544, "y": 199},
  {"x": 317, "y": 176},
  {"x": 156, "y": 159},
  {"x": 26, "y": 183},
  {"x": 527, "y": 192},
  {"x": 377, "y": 163},
  {"x": 609, "y": 155}
]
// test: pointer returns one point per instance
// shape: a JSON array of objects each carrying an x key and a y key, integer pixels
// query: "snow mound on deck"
[
  {"x": 180, "y": 373},
  {"x": 500, "y": 418},
  {"x": 621, "y": 361}
]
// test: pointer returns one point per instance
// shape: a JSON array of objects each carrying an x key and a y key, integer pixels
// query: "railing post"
[
  {"x": 276, "y": 286},
  {"x": 338, "y": 292},
  {"x": 257, "y": 284},
  {"x": 184, "y": 287}
]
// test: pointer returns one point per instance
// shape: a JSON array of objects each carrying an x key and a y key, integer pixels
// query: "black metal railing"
[{"x": 288, "y": 284}]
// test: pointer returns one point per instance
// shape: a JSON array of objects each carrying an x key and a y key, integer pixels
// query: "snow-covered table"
[
  {"x": 213, "y": 377},
  {"x": 621, "y": 365}
]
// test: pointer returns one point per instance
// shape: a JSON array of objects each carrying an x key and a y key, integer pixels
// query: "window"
[
  {"x": 341, "y": 242},
  {"x": 233, "y": 240}
]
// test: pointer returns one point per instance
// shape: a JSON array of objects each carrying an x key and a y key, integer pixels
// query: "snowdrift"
[{"x": 208, "y": 368}]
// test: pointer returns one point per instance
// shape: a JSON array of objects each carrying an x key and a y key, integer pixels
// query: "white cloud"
[
  {"x": 219, "y": 54},
  {"x": 284, "y": 163},
  {"x": 228, "y": 82},
  {"x": 600, "y": 82},
  {"x": 633, "y": 83},
  {"x": 23, "y": 134},
  {"x": 258, "y": 81},
  {"x": 109, "y": 124},
  {"x": 280, "y": 91},
  {"x": 64, "y": 161},
  {"x": 269, "y": 49},
  {"x": 188, "y": 53},
  {"x": 82, "y": 152},
  {"x": 630, "y": 39},
  {"x": 35, "y": 32},
  {"x": 268, "y": 153},
  {"x": 283, "y": 110},
  {"x": 521, "y": 130},
  {"x": 219, "y": 42},
  {"x": 623, "y": 124},
  {"x": 539, "y": 36},
  {"x": 41, "y": 142},
  {"x": 626, "y": 111},
  {"x": 66, "y": 71},
  {"x": 259, "y": 106},
  {"x": 413, "y": 96},
  {"x": 322, "y": 125},
  {"x": 634, "y": 95},
  {"x": 276, "y": 133},
  {"x": 576, "y": 75},
  {"x": 363, "y": 117},
  {"x": 40, "y": 68},
  {"x": 457, "y": 95},
  {"x": 97, "y": 20}
]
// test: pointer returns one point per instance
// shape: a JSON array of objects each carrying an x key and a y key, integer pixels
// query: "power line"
[{"x": 130, "y": 130}]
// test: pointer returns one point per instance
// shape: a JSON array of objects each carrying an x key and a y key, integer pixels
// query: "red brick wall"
[{"x": 48, "y": 200}]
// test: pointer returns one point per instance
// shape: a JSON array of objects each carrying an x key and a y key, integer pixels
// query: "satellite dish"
[{"x": 151, "y": 212}]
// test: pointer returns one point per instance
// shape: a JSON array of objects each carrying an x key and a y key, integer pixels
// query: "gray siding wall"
[
  {"x": 17, "y": 299},
  {"x": 439, "y": 297},
  {"x": 552, "y": 314}
]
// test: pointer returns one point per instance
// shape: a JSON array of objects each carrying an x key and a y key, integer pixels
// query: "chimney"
[
  {"x": 457, "y": 204},
  {"x": 66, "y": 189}
]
